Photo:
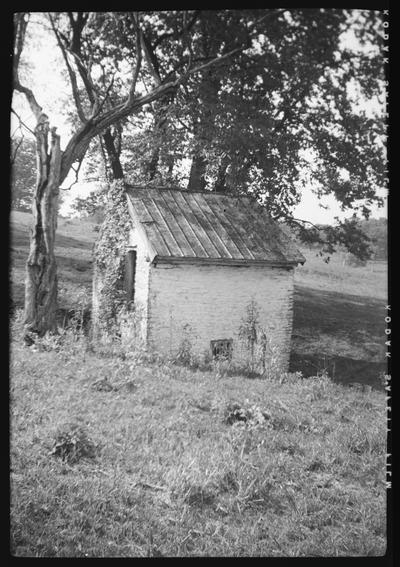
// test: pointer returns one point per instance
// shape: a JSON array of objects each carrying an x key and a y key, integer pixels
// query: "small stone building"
[{"x": 212, "y": 275}]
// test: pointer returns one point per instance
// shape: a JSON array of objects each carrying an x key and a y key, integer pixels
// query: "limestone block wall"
[{"x": 200, "y": 303}]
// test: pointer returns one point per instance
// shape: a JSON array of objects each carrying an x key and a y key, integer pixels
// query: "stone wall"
[{"x": 194, "y": 304}]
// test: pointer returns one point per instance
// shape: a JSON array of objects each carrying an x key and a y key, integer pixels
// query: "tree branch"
[
  {"x": 105, "y": 98},
  {"x": 22, "y": 122},
  {"x": 74, "y": 49},
  {"x": 14, "y": 156},
  {"x": 87, "y": 81},
  {"x": 297, "y": 221},
  {"x": 21, "y": 25},
  {"x": 135, "y": 20},
  {"x": 79, "y": 142},
  {"x": 163, "y": 36},
  {"x": 76, "y": 171},
  {"x": 71, "y": 73},
  {"x": 149, "y": 54}
]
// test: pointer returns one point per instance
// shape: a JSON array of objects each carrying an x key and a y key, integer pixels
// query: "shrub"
[
  {"x": 72, "y": 443},
  {"x": 251, "y": 416},
  {"x": 262, "y": 354}
]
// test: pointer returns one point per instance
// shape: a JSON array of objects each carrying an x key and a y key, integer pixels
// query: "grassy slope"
[
  {"x": 339, "y": 319},
  {"x": 338, "y": 310},
  {"x": 74, "y": 243},
  {"x": 169, "y": 476}
]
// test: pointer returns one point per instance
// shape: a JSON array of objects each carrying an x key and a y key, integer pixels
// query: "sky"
[{"x": 45, "y": 62}]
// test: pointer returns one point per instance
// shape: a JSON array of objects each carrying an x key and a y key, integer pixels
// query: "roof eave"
[{"x": 223, "y": 261}]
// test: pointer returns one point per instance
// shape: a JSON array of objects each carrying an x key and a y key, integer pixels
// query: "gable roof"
[{"x": 209, "y": 227}]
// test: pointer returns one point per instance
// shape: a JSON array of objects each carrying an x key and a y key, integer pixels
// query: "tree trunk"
[
  {"x": 153, "y": 163},
  {"x": 220, "y": 182},
  {"x": 203, "y": 122},
  {"x": 197, "y": 180},
  {"x": 41, "y": 270},
  {"x": 113, "y": 155},
  {"x": 160, "y": 130}
]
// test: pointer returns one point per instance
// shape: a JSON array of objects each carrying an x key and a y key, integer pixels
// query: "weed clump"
[
  {"x": 103, "y": 385},
  {"x": 72, "y": 443},
  {"x": 252, "y": 415},
  {"x": 200, "y": 496}
]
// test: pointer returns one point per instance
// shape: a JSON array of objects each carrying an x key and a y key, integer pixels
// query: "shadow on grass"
[
  {"x": 342, "y": 370},
  {"x": 357, "y": 320},
  {"x": 332, "y": 312}
]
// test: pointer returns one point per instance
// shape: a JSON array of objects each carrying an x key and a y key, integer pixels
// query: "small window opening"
[
  {"x": 130, "y": 272},
  {"x": 222, "y": 349}
]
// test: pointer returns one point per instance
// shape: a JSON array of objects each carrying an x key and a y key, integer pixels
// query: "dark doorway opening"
[{"x": 130, "y": 273}]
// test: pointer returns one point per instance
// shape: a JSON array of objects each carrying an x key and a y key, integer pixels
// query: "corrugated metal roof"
[{"x": 208, "y": 226}]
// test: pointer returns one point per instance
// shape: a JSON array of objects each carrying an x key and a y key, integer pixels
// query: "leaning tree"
[
  {"x": 289, "y": 112},
  {"x": 286, "y": 113},
  {"x": 255, "y": 90},
  {"x": 95, "y": 116}
]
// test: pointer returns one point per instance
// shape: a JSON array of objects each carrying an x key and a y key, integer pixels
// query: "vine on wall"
[
  {"x": 109, "y": 260},
  {"x": 257, "y": 341},
  {"x": 249, "y": 328}
]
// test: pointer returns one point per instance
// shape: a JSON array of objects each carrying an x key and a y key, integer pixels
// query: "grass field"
[
  {"x": 339, "y": 311},
  {"x": 116, "y": 456}
]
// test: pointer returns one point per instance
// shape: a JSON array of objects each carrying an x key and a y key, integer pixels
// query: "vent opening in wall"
[{"x": 222, "y": 348}]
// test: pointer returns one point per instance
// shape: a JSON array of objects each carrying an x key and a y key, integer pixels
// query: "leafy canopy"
[{"x": 299, "y": 104}]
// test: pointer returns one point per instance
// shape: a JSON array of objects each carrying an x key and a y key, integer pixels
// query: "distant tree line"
[
  {"x": 374, "y": 241},
  {"x": 262, "y": 102}
]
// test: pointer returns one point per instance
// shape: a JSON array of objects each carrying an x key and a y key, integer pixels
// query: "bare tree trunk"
[
  {"x": 41, "y": 270},
  {"x": 54, "y": 165}
]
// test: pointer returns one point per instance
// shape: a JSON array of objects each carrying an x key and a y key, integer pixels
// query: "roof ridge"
[{"x": 183, "y": 190}]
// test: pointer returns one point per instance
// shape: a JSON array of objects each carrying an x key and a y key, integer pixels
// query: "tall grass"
[
  {"x": 118, "y": 454},
  {"x": 161, "y": 464}
]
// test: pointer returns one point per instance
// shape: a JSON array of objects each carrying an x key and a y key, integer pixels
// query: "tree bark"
[
  {"x": 207, "y": 97},
  {"x": 197, "y": 180},
  {"x": 54, "y": 165},
  {"x": 41, "y": 269},
  {"x": 160, "y": 131},
  {"x": 113, "y": 155},
  {"x": 220, "y": 183}
]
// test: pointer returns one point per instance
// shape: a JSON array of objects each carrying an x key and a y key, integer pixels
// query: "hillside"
[
  {"x": 115, "y": 454},
  {"x": 339, "y": 310}
]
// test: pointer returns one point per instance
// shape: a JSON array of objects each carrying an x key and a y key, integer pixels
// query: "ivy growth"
[
  {"x": 109, "y": 258},
  {"x": 249, "y": 328}
]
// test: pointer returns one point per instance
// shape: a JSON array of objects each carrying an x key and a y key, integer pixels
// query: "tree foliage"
[
  {"x": 283, "y": 114},
  {"x": 255, "y": 101},
  {"x": 97, "y": 113}
]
